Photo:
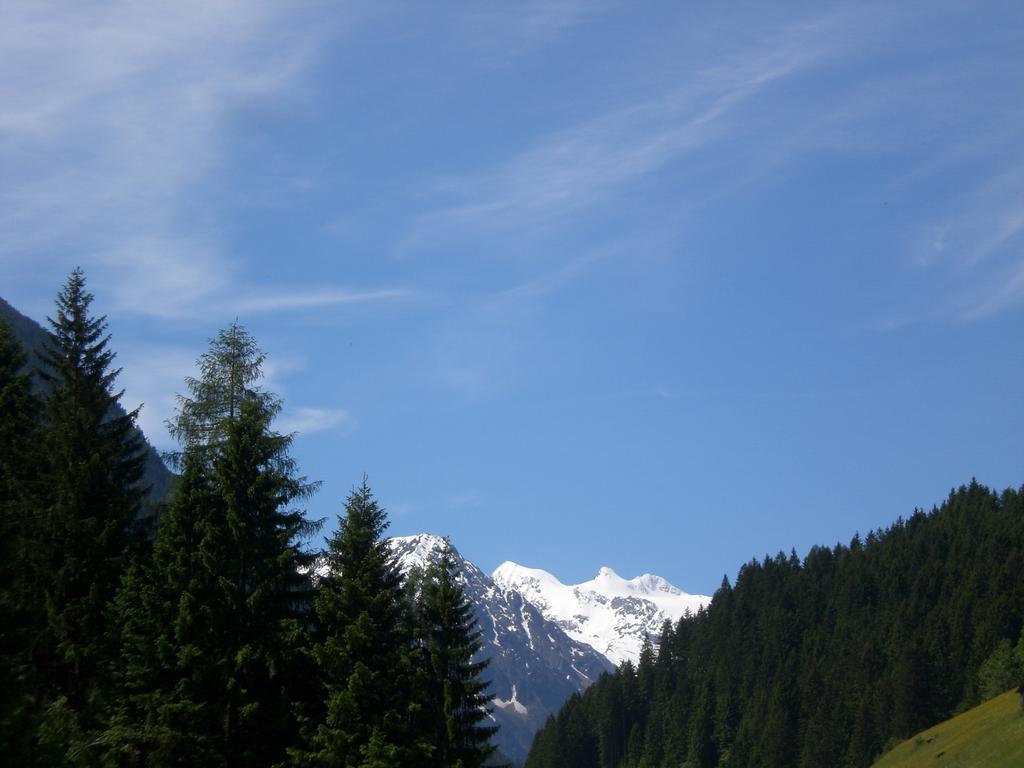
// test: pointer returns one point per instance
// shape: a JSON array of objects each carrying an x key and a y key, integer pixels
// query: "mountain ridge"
[{"x": 611, "y": 614}]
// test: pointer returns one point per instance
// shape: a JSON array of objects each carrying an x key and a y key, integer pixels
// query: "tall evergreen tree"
[
  {"x": 19, "y": 616},
  {"x": 91, "y": 480},
  {"x": 214, "y": 628},
  {"x": 171, "y": 643},
  {"x": 373, "y": 715},
  {"x": 457, "y": 699}
]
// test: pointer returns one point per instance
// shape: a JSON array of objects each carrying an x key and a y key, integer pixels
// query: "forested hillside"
[{"x": 820, "y": 662}]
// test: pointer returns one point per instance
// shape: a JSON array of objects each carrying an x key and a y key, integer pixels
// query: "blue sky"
[{"x": 661, "y": 286}]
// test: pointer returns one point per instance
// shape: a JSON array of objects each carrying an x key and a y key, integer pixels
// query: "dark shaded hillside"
[
  {"x": 26, "y": 330},
  {"x": 821, "y": 662},
  {"x": 31, "y": 335}
]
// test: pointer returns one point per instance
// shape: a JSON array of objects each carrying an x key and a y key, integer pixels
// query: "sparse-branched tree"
[{"x": 229, "y": 372}]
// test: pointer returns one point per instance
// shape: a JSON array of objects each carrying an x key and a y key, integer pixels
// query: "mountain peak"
[
  {"x": 424, "y": 540},
  {"x": 420, "y": 550},
  {"x": 522, "y": 571},
  {"x": 611, "y": 614}
]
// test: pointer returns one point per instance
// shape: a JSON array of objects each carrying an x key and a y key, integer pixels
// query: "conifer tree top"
[
  {"x": 77, "y": 346},
  {"x": 229, "y": 372}
]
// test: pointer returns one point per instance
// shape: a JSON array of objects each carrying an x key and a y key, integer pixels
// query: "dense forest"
[
  {"x": 207, "y": 634},
  {"x": 820, "y": 662}
]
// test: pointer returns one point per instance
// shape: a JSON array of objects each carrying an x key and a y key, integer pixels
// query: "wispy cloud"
[
  {"x": 493, "y": 342},
  {"x": 306, "y": 420},
  {"x": 116, "y": 119},
  {"x": 161, "y": 273},
  {"x": 322, "y": 298},
  {"x": 979, "y": 245},
  {"x": 1005, "y": 291},
  {"x": 572, "y": 169},
  {"x": 151, "y": 376},
  {"x": 551, "y": 281},
  {"x": 739, "y": 117},
  {"x": 501, "y": 34}
]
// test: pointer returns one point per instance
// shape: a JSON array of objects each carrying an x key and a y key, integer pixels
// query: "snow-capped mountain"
[
  {"x": 547, "y": 640},
  {"x": 535, "y": 666},
  {"x": 610, "y": 614}
]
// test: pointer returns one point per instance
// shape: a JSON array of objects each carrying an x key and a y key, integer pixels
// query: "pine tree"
[
  {"x": 172, "y": 644},
  {"x": 364, "y": 649},
  {"x": 91, "y": 477},
  {"x": 265, "y": 594},
  {"x": 702, "y": 748},
  {"x": 456, "y": 692},
  {"x": 214, "y": 628},
  {"x": 19, "y": 615}
]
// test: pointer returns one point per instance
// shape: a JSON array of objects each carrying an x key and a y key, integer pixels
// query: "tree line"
[
  {"x": 823, "y": 662},
  {"x": 209, "y": 635}
]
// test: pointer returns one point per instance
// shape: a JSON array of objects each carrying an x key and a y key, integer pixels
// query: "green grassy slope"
[{"x": 988, "y": 736}]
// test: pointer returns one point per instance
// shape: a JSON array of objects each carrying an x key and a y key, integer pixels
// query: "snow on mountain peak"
[
  {"x": 420, "y": 549},
  {"x": 611, "y": 614},
  {"x": 511, "y": 575}
]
